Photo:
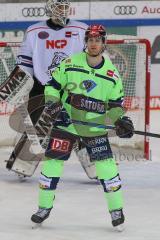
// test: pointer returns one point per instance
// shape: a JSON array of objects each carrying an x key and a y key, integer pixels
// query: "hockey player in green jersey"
[{"x": 89, "y": 87}]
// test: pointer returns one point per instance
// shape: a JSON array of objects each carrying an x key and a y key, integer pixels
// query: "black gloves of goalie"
[{"x": 124, "y": 127}]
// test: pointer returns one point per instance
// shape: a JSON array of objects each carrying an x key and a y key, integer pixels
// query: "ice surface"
[{"x": 80, "y": 211}]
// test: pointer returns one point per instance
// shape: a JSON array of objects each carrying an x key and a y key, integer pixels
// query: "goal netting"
[
  {"x": 8, "y": 53},
  {"x": 132, "y": 59}
]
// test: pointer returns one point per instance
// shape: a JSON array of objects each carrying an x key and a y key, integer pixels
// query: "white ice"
[{"x": 80, "y": 211}]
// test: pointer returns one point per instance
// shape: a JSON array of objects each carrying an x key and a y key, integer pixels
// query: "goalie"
[
  {"x": 45, "y": 45},
  {"x": 96, "y": 96}
]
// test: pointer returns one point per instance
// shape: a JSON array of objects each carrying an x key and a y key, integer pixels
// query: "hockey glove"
[
  {"x": 52, "y": 110},
  {"x": 124, "y": 127},
  {"x": 63, "y": 119}
]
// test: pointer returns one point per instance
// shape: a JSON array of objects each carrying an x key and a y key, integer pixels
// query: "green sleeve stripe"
[
  {"x": 76, "y": 70},
  {"x": 106, "y": 78}
]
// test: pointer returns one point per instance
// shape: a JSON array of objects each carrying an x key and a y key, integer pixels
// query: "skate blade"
[
  {"x": 120, "y": 228},
  {"x": 36, "y": 225}
]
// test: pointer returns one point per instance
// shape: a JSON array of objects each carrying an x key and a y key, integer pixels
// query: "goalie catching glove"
[{"x": 124, "y": 127}]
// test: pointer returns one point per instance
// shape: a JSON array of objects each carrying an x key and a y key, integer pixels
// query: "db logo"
[
  {"x": 60, "y": 145},
  {"x": 56, "y": 43}
]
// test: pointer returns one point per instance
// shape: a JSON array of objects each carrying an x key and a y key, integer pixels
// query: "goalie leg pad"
[
  {"x": 111, "y": 185},
  {"x": 88, "y": 166},
  {"x": 48, "y": 183}
]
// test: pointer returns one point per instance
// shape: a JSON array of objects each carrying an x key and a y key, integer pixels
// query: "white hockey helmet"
[{"x": 58, "y": 10}]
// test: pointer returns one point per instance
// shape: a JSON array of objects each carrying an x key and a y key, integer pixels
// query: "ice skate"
[
  {"x": 38, "y": 217},
  {"x": 118, "y": 220},
  {"x": 120, "y": 228}
]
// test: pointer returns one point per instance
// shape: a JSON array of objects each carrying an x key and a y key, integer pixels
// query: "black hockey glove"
[
  {"x": 52, "y": 110},
  {"x": 124, "y": 127},
  {"x": 63, "y": 119}
]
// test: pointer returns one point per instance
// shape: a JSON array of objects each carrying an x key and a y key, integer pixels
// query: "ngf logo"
[{"x": 56, "y": 43}]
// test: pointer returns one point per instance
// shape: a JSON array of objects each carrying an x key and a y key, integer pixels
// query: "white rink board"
[{"x": 82, "y": 10}]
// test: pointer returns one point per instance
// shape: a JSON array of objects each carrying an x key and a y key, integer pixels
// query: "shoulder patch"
[{"x": 113, "y": 74}]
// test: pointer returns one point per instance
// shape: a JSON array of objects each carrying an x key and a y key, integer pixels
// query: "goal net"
[
  {"x": 132, "y": 59},
  {"x": 8, "y": 53}
]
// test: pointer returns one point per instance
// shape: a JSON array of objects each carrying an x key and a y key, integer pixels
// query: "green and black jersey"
[{"x": 88, "y": 94}]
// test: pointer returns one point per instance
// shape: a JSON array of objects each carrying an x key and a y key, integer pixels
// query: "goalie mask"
[
  {"x": 58, "y": 10},
  {"x": 96, "y": 31}
]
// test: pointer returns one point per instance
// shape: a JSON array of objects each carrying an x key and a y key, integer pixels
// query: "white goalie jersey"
[{"x": 44, "y": 47}]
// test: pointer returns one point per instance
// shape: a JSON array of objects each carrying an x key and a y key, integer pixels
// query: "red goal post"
[
  {"x": 132, "y": 58},
  {"x": 136, "y": 53}
]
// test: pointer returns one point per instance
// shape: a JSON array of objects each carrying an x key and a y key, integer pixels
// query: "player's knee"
[
  {"x": 48, "y": 183},
  {"x": 106, "y": 168},
  {"x": 111, "y": 185}
]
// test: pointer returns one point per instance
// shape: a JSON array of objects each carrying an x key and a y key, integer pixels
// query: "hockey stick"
[{"x": 148, "y": 134}]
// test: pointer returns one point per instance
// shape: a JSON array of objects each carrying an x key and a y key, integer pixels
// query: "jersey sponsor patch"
[
  {"x": 60, "y": 145},
  {"x": 44, "y": 182},
  {"x": 84, "y": 103},
  {"x": 58, "y": 44},
  {"x": 98, "y": 148},
  {"x": 43, "y": 35},
  {"x": 71, "y": 34},
  {"x": 111, "y": 73},
  {"x": 112, "y": 185},
  {"x": 89, "y": 85},
  {"x": 68, "y": 34}
]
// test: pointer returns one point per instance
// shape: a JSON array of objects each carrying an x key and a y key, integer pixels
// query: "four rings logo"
[
  {"x": 34, "y": 12},
  {"x": 125, "y": 10}
]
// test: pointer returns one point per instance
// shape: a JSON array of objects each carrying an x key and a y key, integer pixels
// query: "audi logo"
[
  {"x": 125, "y": 10},
  {"x": 33, "y": 12}
]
